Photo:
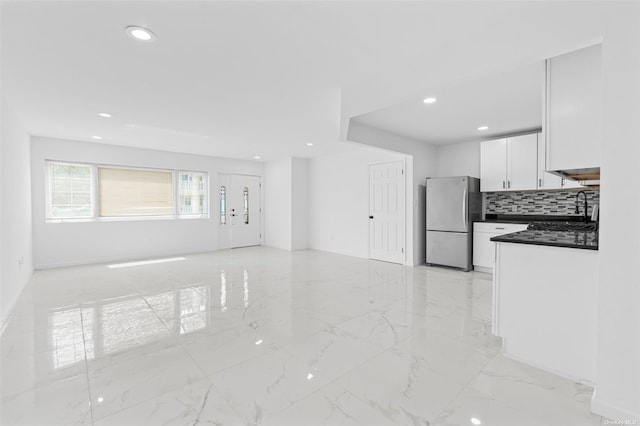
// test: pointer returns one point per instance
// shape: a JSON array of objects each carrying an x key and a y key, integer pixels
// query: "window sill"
[{"x": 126, "y": 219}]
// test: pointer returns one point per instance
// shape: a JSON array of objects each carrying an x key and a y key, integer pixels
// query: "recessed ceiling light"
[
  {"x": 256, "y": 157},
  {"x": 309, "y": 144},
  {"x": 483, "y": 128},
  {"x": 429, "y": 100},
  {"x": 105, "y": 115},
  {"x": 97, "y": 137},
  {"x": 475, "y": 421},
  {"x": 141, "y": 34}
]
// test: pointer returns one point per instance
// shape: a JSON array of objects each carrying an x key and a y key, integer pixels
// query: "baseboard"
[
  {"x": 12, "y": 305},
  {"x": 612, "y": 412},
  {"x": 559, "y": 373},
  {"x": 105, "y": 260}
]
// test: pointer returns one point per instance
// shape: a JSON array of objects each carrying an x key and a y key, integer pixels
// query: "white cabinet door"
[
  {"x": 483, "y": 251},
  {"x": 483, "y": 248},
  {"x": 574, "y": 109},
  {"x": 522, "y": 162},
  {"x": 546, "y": 180},
  {"x": 493, "y": 158}
]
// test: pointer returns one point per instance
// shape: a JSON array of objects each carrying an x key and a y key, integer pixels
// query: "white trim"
[
  {"x": 610, "y": 411},
  {"x": 559, "y": 373},
  {"x": 403, "y": 204}
]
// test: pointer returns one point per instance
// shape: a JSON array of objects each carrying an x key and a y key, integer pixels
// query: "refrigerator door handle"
[{"x": 464, "y": 208}]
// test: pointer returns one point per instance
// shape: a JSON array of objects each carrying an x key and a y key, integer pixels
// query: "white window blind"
[
  {"x": 70, "y": 191},
  {"x": 134, "y": 192}
]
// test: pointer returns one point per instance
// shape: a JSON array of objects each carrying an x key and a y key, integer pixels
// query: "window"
[
  {"x": 135, "y": 192},
  {"x": 70, "y": 191},
  {"x": 245, "y": 196},
  {"x": 90, "y": 191},
  {"x": 192, "y": 193},
  {"x": 223, "y": 205}
]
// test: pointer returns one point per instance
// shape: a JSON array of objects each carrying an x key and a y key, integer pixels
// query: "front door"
[
  {"x": 386, "y": 211},
  {"x": 239, "y": 211}
]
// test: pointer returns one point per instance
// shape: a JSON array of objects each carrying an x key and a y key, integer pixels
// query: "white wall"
[
  {"x": 287, "y": 203},
  {"x": 299, "y": 204},
  {"x": 460, "y": 159},
  {"x": 617, "y": 393},
  {"x": 421, "y": 163},
  {"x": 277, "y": 192},
  {"x": 16, "y": 258},
  {"x": 339, "y": 200},
  {"x": 60, "y": 244}
]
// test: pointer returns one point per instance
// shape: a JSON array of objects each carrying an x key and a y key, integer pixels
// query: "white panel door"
[
  {"x": 240, "y": 219},
  {"x": 386, "y": 212}
]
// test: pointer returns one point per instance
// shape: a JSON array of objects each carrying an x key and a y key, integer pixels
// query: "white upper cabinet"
[
  {"x": 522, "y": 162},
  {"x": 493, "y": 170},
  {"x": 509, "y": 164},
  {"x": 546, "y": 180},
  {"x": 574, "y": 110}
]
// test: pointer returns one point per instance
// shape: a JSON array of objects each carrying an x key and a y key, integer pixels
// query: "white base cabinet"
[
  {"x": 483, "y": 248},
  {"x": 545, "y": 307}
]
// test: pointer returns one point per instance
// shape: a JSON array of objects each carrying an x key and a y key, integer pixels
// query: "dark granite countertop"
[{"x": 571, "y": 239}]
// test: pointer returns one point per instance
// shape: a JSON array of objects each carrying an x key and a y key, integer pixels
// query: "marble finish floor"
[{"x": 264, "y": 336}]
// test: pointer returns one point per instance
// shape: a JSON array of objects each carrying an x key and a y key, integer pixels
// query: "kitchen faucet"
[{"x": 586, "y": 216}]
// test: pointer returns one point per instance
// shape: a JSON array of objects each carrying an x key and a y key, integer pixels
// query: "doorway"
[
  {"x": 387, "y": 211},
  {"x": 239, "y": 212}
]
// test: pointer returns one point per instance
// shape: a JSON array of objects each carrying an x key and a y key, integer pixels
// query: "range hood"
[{"x": 588, "y": 176}]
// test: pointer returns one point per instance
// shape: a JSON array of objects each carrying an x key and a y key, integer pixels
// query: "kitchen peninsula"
[{"x": 545, "y": 299}]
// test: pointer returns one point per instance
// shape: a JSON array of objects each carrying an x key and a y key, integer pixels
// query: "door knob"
[{"x": 370, "y": 217}]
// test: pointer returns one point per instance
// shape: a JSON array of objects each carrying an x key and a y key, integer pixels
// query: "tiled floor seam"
[{"x": 86, "y": 368}]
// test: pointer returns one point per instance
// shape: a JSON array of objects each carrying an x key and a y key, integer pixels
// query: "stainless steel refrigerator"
[{"x": 453, "y": 204}]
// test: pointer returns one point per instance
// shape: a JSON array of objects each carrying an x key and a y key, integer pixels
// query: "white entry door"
[
  {"x": 386, "y": 211},
  {"x": 239, "y": 223}
]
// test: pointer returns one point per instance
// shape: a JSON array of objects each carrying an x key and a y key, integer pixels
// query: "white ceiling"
[
  {"x": 238, "y": 79},
  {"x": 507, "y": 102}
]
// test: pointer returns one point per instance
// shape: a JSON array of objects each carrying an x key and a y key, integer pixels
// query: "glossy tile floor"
[{"x": 265, "y": 336}]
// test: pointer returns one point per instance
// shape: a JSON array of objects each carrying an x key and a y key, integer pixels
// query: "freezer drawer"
[{"x": 449, "y": 249}]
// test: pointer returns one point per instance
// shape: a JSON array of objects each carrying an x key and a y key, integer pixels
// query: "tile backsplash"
[{"x": 539, "y": 202}]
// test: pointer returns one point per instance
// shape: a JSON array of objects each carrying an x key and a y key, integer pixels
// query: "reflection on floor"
[{"x": 265, "y": 336}]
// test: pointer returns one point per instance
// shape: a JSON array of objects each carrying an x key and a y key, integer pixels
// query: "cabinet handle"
[
  {"x": 502, "y": 184},
  {"x": 499, "y": 228},
  {"x": 540, "y": 183},
  {"x": 509, "y": 184}
]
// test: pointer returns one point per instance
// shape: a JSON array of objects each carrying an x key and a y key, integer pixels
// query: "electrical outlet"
[{"x": 514, "y": 209}]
